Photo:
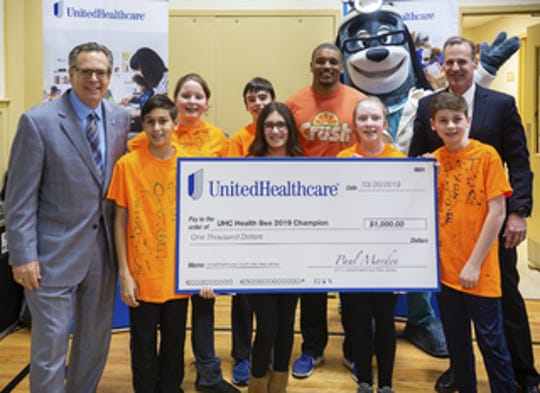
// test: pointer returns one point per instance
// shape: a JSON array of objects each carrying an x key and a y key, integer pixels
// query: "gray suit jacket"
[{"x": 55, "y": 202}]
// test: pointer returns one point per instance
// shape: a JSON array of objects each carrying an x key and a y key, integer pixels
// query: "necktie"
[{"x": 92, "y": 133}]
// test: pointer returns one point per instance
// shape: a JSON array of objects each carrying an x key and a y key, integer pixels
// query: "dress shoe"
[
  {"x": 529, "y": 389},
  {"x": 446, "y": 383}
]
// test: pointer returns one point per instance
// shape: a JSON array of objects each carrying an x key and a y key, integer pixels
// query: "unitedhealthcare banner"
[
  {"x": 435, "y": 20},
  {"x": 431, "y": 21},
  {"x": 124, "y": 26}
]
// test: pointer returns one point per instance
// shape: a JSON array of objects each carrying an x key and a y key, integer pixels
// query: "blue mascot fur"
[{"x": 380, "y": 59}]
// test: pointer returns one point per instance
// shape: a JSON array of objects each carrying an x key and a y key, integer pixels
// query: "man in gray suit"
[{"x": 60, "y": 225}]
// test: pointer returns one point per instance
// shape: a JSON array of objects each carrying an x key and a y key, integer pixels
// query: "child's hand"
[
  {"x": 468, "y": 278},
  {"x": 431, "y": 156},
  {"x": 207, "y": 293},
  {"x": 129, "y": 291}
]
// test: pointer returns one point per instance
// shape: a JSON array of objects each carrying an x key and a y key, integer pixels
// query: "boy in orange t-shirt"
[
  {"x": 472, "y": 187},
  {"x": 143, "y": 186},
  {"x": 258, "y": 93}
]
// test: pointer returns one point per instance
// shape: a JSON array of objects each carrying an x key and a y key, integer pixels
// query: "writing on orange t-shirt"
[
  {"x": 467, "y": 180},
  {"x": 324, "y": 122},
  {"x": 146, "y": 187}
]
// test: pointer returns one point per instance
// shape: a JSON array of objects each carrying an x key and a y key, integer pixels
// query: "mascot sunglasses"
[{"x": 353, "y": 45}]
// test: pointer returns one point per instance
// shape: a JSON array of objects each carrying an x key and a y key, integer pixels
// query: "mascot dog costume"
[{"x": 380, "y": 60}]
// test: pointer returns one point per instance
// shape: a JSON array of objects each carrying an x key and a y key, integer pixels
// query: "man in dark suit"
[
  {"x": 495, "y": 121},
  {"x": 60, "y": 225}
]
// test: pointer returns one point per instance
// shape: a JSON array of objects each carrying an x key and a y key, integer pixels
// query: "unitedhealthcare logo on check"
[
  {"x": 258, "y": 188},
  {"x": 195, "y": 184}
]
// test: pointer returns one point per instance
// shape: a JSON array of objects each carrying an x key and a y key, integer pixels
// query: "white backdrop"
[{"x": 122, "y": 25}]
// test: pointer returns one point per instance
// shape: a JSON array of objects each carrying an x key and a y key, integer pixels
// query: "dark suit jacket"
[
  {"x": 495, "y": 121},
  {"x": 55, "y": 201}
]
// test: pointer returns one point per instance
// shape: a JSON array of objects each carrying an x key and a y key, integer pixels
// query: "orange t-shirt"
[
  {"x": 467, "y": 180},
  {"x": 325, "y": 121},
  {"x": 241, "y": 141},
  {"x": 388, "y": 152},
  {"x": 146, "y": 187},
  {"x": 202, "y": 140}
]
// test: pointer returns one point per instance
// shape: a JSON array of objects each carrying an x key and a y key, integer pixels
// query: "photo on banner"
[{"x": 136, "y": 31}]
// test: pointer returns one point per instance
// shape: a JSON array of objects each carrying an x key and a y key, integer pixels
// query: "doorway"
[{"x": 482, "y": 25}]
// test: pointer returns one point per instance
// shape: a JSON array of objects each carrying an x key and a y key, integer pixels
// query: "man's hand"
[
  {"x": 28, "y": 275},
  {"x": 515, "y": 230}
]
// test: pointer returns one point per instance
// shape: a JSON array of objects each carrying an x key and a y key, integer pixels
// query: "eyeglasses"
[
  {"x": 280, "y": 125},
  {"x": 87, "y": 73},
  {"x": 354, "y": 45}
]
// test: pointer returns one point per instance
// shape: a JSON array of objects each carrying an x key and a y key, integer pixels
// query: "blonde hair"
[{"x": 375, "y": 100}]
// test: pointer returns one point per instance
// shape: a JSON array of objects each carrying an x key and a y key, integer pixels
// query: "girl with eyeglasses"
[{"x": 276, "y": 136}]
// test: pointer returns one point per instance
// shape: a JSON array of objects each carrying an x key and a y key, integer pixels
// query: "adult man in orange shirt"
[{"x": 323, "y": 113}]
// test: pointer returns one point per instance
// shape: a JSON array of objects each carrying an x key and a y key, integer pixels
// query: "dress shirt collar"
[{"x": 82, "y": 110}]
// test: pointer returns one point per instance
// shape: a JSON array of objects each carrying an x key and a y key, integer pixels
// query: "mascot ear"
[
  {"x": 338, "y": 41},
  {"x": 493, "y": 56}
]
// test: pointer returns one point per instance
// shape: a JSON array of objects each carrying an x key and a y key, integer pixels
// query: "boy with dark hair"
[
  {"x": 143, "y": 188},
  {"x": 258, "y": 93},
  {"x": 472, "y": 188}
]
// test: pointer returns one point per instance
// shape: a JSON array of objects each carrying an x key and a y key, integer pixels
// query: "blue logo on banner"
[
  {"x": 58, "y": 9},
  {"x": 74, "y": 12},
  {"x": 195, "y": 184}
]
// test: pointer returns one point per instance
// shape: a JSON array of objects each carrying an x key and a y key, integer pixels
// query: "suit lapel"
[
  {"x": 110, "y": 125},
  {"x": 71, "y": 127},
  {"x": 481, "y": 106}
]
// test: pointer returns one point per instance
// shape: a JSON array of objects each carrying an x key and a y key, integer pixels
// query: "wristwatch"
[{"x": 523, "y": 211}]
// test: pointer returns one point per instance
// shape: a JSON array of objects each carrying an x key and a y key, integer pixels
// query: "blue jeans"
[
  {"x": 208, "y": 365},
  {"x": 419, "y": 310}
]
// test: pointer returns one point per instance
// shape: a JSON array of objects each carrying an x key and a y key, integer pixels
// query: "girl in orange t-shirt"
[
  {"x": 360, "y": 309},
  {"x": 193, "y": 137},
  {"x": 196, "y": 138},
  {"x": 276, "y": 136}
]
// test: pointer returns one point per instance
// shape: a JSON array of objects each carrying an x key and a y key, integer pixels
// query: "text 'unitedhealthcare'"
[{"x": 266, "y": 188}]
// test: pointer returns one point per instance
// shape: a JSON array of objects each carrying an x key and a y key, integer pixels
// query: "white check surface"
[{"x": 265, "y": 225}]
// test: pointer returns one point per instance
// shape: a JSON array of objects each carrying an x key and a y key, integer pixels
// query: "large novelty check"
[{"x": 282, "y": 225}]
